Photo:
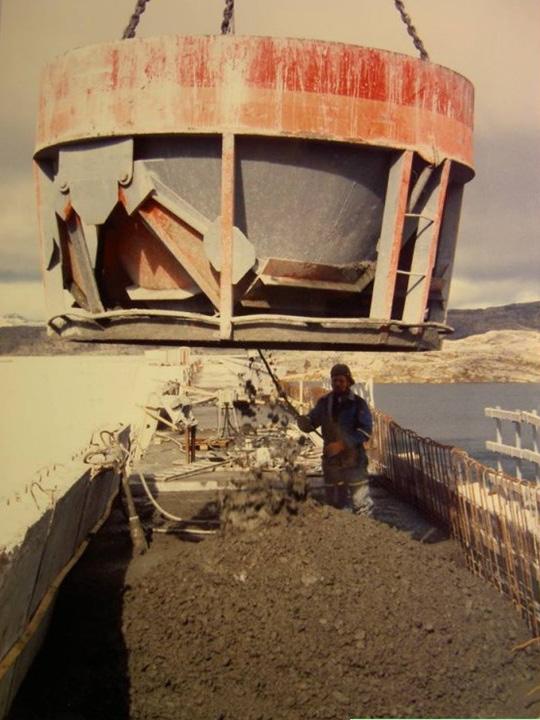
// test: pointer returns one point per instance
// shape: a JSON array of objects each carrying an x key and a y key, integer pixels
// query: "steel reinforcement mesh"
[{"x": 495, "y": 517}]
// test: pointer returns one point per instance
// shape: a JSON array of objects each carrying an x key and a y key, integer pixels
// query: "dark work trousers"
[{"x": 345, "y": 476}]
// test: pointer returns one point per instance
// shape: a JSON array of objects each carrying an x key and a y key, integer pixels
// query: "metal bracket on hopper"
[
  {"x": 84, "y": 278},
  {"x": 315, "y": 276},
  {"x": 425, "y": 249},
  {"x": 184, "y": 243},
  {"x": 88, "y": 177},
  {"x": 409, "y": 215},
  {"x": 243, "y": 252},
  {"x": 146, "y": 183}
]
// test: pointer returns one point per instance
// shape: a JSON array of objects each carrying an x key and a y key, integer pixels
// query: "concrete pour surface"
[{"x": 326, "y": 615}]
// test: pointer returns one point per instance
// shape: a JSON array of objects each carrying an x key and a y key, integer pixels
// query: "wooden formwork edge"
[{"x": 17, "y": 648}]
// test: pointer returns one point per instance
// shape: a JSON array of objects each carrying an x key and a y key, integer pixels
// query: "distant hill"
[
  {"x": 16, "y": 320},
  {"x": 19, "y": 337},
  {"x": 33, "y": 340},
  {"x": 519, "y": 316}
]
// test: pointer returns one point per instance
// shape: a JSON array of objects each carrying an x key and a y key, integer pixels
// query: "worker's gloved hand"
[
  {"x": 304, "y": 423},
  {"x": 334, "y": 448}
]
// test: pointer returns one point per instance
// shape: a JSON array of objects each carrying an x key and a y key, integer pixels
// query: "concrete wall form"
[{"x": 32, "y": 572}]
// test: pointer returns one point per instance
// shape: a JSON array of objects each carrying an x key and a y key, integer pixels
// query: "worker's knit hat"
[{"x": 342, "y": 369}]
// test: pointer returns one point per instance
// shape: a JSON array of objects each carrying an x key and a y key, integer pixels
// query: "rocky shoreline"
[{"x": 498, "y": 356}]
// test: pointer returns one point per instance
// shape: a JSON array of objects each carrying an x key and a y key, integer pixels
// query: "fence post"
[
  {"x": 498, "y": 439},
  {"x": 535, "y": 448},
  {"x": 519, "y": 462},
  {"x": 370, "y": 392}
]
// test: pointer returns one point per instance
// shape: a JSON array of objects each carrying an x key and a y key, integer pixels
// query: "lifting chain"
[
  {"x": 227, "y": 25},
  {"x": 140, "y": 7},
  {"x": 418, "y": 44}
]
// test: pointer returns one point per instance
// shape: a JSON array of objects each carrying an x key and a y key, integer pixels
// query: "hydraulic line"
[
  {"x": 111, "y": 455},
  {"x": 170, "y": 516}
]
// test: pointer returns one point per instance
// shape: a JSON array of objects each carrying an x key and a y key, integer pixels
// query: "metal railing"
[
  {"x": 494, "y": 517},
  {"x": 521, "y": 420}
]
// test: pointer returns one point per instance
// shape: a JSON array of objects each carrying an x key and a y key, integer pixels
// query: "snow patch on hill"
[
  {"x": 16, "y": 320},
  {"x": 494, "y": 356}
]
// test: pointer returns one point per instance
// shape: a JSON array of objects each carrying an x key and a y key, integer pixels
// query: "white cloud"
[
  {"x": 24, "y": 298},
  {"x": 489, "y": 293}
]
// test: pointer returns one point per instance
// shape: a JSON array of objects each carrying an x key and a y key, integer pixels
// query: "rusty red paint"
[
  {"x": 156, "y": 64},
  {"x": 184, "y": 243},
  {"x": 195, "y": 67},
  {"x": 227, "y": 223},
  {"x": 399, "y": 222},
  {"x": 265, "y": 67},
  {"x": 435, "y": 232},
  {"x": 67, "y": 210},
  {"x": 115, "y": 67},
  {"x": 145, "y": 259},
  {"x": 258, "y": 85},
  {"x": 391, "y": 239},
  {"x": 362, "y": 73}
]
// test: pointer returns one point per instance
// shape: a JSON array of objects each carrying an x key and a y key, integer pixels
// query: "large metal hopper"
[{"x": 241, "y": 190}]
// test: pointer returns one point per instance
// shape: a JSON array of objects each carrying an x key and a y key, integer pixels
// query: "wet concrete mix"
[{"x": 316, "y": 614}]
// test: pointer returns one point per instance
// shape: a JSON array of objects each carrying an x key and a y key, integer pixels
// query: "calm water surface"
[{"x": 453, "y": 414}]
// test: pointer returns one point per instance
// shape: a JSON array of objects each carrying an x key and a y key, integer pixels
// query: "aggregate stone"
[{"x": 384, "y": 632}]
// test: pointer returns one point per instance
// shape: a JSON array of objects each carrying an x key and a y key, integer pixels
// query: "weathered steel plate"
[
  {"x": 257, "y": 85},
  {"x": 317, "y": 155}
]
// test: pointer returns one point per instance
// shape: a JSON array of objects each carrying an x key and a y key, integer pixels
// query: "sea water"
[{"x": 453, "y": 413}]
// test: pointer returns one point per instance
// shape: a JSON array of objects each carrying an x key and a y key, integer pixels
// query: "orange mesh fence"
[{"x": 494, "y": 517}]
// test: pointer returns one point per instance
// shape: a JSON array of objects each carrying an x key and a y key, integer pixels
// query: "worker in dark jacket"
[{"x": 346, "y": 424}]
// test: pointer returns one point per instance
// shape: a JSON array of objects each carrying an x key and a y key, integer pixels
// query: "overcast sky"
[{"x": 495, "y": 43}]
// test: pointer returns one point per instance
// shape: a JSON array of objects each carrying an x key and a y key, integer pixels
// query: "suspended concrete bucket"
[{"x": 249, "y": 190}]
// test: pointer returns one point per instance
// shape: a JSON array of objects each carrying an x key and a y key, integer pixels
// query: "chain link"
[
  {"x": 418, "y": 44},
  {"x": 227, "y": 24},
  {"x": 140, "y": 7}
]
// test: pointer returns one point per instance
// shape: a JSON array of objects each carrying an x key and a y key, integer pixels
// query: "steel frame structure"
[{"x": 99, "y": 201}]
